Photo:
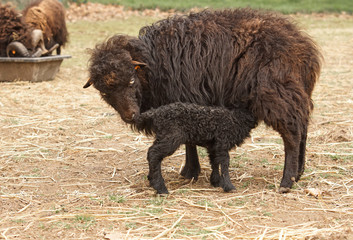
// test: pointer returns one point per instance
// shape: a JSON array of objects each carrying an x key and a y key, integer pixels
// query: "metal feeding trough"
[{"x": 30, "y": 69}]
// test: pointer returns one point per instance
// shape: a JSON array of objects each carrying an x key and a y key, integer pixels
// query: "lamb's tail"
[{"x": 144, "y": 123}]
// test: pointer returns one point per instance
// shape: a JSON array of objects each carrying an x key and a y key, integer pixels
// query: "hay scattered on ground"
[{"x": 71, "y": 169}]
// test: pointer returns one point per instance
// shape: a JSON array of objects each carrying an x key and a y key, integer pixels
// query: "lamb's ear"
[
  {"x": 138, "y": 64},
  {"x": 88, "y": 83}
]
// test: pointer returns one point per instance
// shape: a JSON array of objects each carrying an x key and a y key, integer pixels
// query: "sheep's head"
[
  {"x": 12, "y": 28},
  {"x": 114, "y": 74}
]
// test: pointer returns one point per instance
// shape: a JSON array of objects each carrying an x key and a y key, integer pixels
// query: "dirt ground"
[{"x": 71, "y": 169}]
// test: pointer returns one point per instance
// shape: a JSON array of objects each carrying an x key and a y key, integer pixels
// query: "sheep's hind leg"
[
  {"x": 291, "y": 165},
  {"x": 192, "y": 167},
  {"x": 302, "y": 150},
  {"x": 156, "y": 153}
]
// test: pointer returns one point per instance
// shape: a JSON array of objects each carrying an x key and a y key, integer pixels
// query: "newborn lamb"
[{"x": 215, "y": 128}]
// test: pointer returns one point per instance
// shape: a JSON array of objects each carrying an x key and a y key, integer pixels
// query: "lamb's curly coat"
[
  {"x": 233, "y": 58},
  {"x": 215, "y": 128}
]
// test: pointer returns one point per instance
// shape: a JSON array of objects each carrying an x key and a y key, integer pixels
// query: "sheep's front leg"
[{"x": 159, "y": 150}]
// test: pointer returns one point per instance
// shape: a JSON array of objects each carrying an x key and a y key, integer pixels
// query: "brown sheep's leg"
[
  {"x": 156, "y": 153},
  {"x": 291, "y": 164},
  {"x": 294, "y": 134},
  {"x": 192, "y": 166},
  {"x": 302, "y": 150},
  {"x": 58, "y": 51}
]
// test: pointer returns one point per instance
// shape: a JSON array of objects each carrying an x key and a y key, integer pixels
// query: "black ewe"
[{"x": 214, "y": 128}]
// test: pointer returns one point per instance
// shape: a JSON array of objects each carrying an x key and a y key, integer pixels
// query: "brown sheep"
[
  {"x": 231, "y": 58},
  {"x": 39, "y": 30},
  {"x": 48, "y": 16}
]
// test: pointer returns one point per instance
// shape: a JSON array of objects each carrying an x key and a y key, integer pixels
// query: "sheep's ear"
[
  {"x": 138, "y": 64},
  {"x": 88, "y": 83}
]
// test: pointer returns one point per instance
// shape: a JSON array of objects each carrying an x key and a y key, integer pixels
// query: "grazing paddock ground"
[{"x": 71, "y": 169}]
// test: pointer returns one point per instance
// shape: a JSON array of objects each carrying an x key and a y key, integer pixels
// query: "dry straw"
[{"x": 70, "y": 169}]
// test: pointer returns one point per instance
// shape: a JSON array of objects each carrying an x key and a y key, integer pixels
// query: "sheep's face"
[
  {"x": 114, "y": 73},
  {"x": 119, "y": 86},
  {"x": 124, "y": 97}
]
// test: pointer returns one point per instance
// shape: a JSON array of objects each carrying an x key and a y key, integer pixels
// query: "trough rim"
[{"x": 34, "y": 60}]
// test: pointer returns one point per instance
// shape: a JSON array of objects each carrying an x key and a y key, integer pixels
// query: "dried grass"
[{"x": 70, "y": 169}]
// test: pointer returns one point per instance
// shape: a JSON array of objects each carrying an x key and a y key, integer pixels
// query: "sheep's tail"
[{"x": 144, "y": 123}]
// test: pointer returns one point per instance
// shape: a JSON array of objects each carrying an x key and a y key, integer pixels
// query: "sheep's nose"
[{"x": 130, "y": 118}]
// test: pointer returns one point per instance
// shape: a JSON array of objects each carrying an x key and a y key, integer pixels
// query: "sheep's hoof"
[{"x": 284, "y": 190}]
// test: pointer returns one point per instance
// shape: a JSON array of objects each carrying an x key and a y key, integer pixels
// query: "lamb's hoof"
[
  {"x": 216, "y": 184},
  {"x": 159, "y": 187},
  {"x": 230, "y": 188},
  {"x": 284, "y": 190},
  {"x": 215, "y": 181},
  {"x": 190, "y": 173}
]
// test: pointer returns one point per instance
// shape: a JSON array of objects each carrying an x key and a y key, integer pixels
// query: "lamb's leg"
[
  {"x": 224, "y": 161},
  {"x": 215, "y": 178},
  {"x": 220, "y": 157},
  {"x": 159, "y": 150},
  {"x": 192, "y": 166}
]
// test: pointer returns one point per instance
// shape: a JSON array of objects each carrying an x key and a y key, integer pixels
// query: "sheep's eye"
[{"x": 132, "y": 81}]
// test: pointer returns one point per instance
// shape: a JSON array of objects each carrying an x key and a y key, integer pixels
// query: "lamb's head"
[{"x": 114, "y": 74}]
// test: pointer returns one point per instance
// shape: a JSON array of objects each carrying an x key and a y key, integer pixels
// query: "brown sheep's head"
[{"x": 114, "y": 74}]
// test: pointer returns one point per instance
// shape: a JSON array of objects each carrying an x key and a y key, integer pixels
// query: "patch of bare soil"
[{"x": 71, "y": 169}]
